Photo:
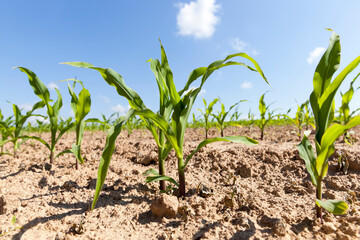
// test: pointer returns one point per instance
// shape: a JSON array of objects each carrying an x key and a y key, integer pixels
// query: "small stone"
[
  {"x": 2, "y": 205},
  {"x": 22, "y": 166},
  {"x": 70, "y": 185},
  {"x": 244, "y": 171},
  {"x": 148, "y": 159},
  {"x": 165, "y": 206},
  {"x": 277, "y": 225},
  {"x": 329, "y": 227},
  {"x": 24, "y": 203}
]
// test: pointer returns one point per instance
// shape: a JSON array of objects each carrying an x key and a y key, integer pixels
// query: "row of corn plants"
[{"x": 168, "y": 124}]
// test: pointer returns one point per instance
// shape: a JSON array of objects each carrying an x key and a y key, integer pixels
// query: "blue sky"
[{"x": 285, "y": 37}]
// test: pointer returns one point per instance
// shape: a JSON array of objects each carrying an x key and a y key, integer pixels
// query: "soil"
[{"x": 233, "y": 191}]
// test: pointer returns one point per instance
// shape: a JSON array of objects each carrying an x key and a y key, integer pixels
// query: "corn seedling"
[
  {"x": 299, "y": 119},
  {"x": 221, "y": 117},
  {"x": 13, "y": 227},
  {"x": 131, "y": 124},
  {"x": 5, "y": 134},
  {"x": 263, "y": 120},
  {"x": 80, "y": 106},
  {"x": 171, "y": 104},
  {"x": 323, "y": 106},
  {"x": 196, "y": 122},
  {"x": 207, "y": 113},
  {"x": 183, "y": 102},
  {"x": 344, "y": 110},
  {"x": 52, "y": 111},
  {"x": 15, "y": 129}
]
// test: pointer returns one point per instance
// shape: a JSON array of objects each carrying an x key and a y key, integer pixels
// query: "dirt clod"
[{"x": 165, "y": 206}]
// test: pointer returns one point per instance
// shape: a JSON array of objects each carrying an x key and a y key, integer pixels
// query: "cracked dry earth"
[{"x": 233, "y": 191}]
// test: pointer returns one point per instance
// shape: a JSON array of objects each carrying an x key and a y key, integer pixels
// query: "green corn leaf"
[
  {"x": 77, "y": 152},
  {"x": 63, "y": 131},
  {"x": 114, "y": 79},
  {"x": 151, "y": 171},
  {"x": 13, "y": 220},
  {"x": 327, "y": 143},
  {"x": 329, "y": 63},
  {"x": 262, "y": 105},
  {"x": 107, "y": 153},
  {"x": 74, "y": 98},
  {"x": 334, "y": 206},
  {"x": 163, "y": 125},
  {"x": 37, "y": 139},
  {"x": 306, "y": 152},
  {"x": 234, "y": 139},
  {"x": 39, "y": 88},
  {"x": 83, "y": 105},
  {"x": 160, "y": 177},
  {"x": 96, "y": 120},
  {"x": 205, "y": 72},
  {"x": 64, "y": 152},
  {"x": 79, "y": 64}
]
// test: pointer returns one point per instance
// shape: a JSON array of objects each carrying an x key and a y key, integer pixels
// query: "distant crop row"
[{"x": 168, "y": 124}]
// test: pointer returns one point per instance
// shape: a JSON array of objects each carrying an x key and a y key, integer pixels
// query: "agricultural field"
[
  {"x": 176, "y": 171},
  {"x": 234, "y": 191}
]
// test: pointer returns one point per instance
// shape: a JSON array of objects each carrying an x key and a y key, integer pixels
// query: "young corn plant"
[
  {"x": 299, "y": 120},
  {"x": 183, "y": 103},
  {"x": 52, "y": 111},
  {"x": 308, "y": 117},
  {"x": 131, "y": 124},
  {"x": 221, "y": 117},
  {"x": 196, "y": 122},
  {"x": 207, "y": 113},
  {"x": 344, "y": 111},
  {"x": 323, "y": 106},
  {"x": 263, "y": 120},
  {"x": 165, "y": 109},
  {"x": 5, "y": 134},
  {"x": 174, "y": 104},
  {"x": 80, "y": 106},
  {"x": 14, "y": 131}
]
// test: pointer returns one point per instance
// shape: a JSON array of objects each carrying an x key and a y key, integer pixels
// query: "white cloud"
[
  {"x": 120, "y": 109},
  {"x": 52, "y": 86},
  {"x": 33, "y": 119},
  {"x": 246, "y": 85},
  {"x": 198, "y": 18},
  {"x": 202, "y": 92},
  {"x": 26, "y": 107},
  {"x": 254, "y": 52},
  {"x": 238, "y": 45},
  {"x": 241, "y": 46},
  {"x": 315, "y": 54},
  {"x": 104, "y": 98}
]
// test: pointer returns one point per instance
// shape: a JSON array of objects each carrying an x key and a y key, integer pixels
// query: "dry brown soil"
[{"x": 273, "y": 197}]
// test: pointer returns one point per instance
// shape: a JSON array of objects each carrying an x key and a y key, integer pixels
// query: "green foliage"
[
  {"x": 52, "y": 111},
  {"x": 323, "y": 105},
  {"x": 207, "y": 113},
  {"x": 301, "y": 116},
  {"x": 174, "y": 104},
  {"x": 13, "y": 227},
  {"x": 80, "y": 106},
  {"x": 344, "y": 110},
  {"x": 221, "y": 117},
  {"x": 263, "y": 119},
  {"x": 13, "y": 129}
]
